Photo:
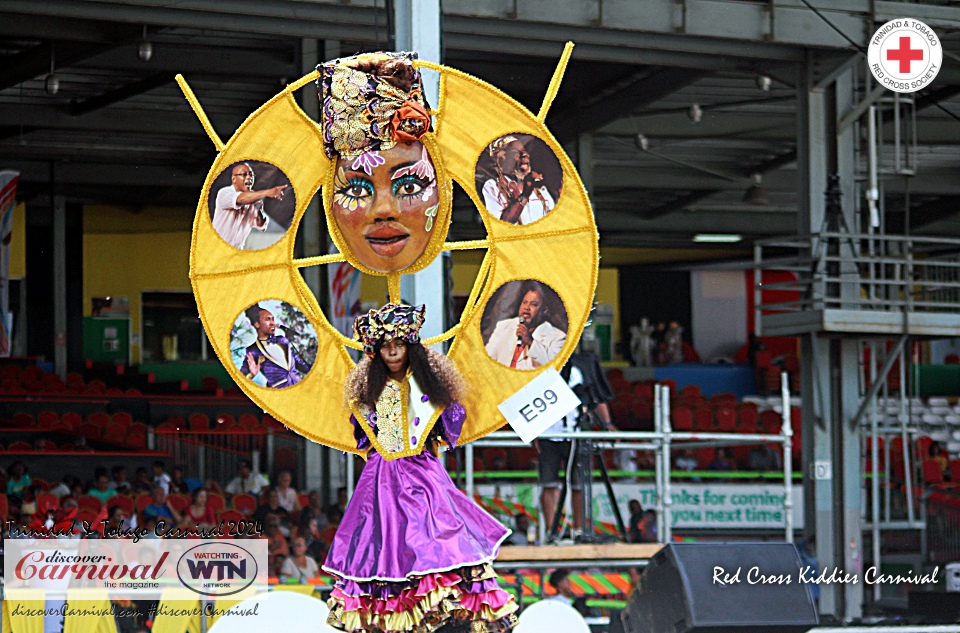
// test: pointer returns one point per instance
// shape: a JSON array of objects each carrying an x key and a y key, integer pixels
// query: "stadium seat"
[
  {"x": 73, "y": 420},
  {"x": 703, "y": 419},
  {"x": 115, "y": 434},
  {"x": 100, "y": 419},
  {"x": 726, "y": 419},
  {"x": 19, "y": 447},
  {"x": 47, "y": 502},
  {"x": 22, "y": 419},
  {"x": 230, "y": 515},
  {"x": 4, "y": 508},
  {"x": 40, "y": 483},
  {"x": 225, "y": 421},
  {"x": 89, "y": 502},
  {"x": 47, "y": 419},
  {"x": 932, "y": 472},
  {"x": 681, "y": 418},
  {"x": 199, "y": 422},
  {"x": 87, "y": 516},
  {"x": 304, "y": 499},
  {"x": 143, "y": 500},
  {"x": 248, "y": 421},
  {"x": 244, "y": 503},
  {"x": 771, "y": 421},
  {"x": 126, "y": 503},
  {"x": 90, "y": 431},
  {"x": 215, "y": 502},
  {"x": 122, "y": 418},
  {"x": 179, "y": 502}
]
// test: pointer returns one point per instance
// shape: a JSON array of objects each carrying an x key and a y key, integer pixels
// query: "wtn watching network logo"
[{"x": 217, "y": 569}]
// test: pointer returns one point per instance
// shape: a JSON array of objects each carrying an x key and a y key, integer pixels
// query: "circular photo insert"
[
  {"x": 385, "y": 206},
  {"x": 251, "y": 204},
  {"x": 273, "y": 344},
  {"x": 519, "y": 179},
  {"x": 524, "y": 324}
]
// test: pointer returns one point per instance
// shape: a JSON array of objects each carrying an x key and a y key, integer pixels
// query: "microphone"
[{"x": 519, "y": 339}]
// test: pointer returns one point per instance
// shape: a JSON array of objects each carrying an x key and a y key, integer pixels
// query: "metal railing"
[
  {"x": 860, "y": 271},
  {"x": 660, "y": 441}
]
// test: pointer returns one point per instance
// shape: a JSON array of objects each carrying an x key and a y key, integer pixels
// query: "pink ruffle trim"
[{"x": 411, "y": 598}]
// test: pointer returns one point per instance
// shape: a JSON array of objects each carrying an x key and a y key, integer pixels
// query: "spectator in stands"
[
  {"x": 636, "y": 519},
  {"x": 116, "y": 518},
  {"x": 160, "y": 476},
  {"x": 648, "y": 527},
  {"x": 721, "y": 461},
  {"x": 63, "y": 488},
  {"x": 936, "y": 454},
  {"x": 314, "y": 511},
  {"x": 560, "y": 580},
  {"x": 687, "y": 461},
  {"x": 276, "y": 564},
  {"x": 18, "y": 479},
  {"x": 299, "y": 567},
  {"x": 287, "y": 495},
  {"x": 276, "y": 543},
  {"x": 246, "y": 480},
  {"x": 316, "y": 548},
  {"x": 101, "y": 489},
  {"x": 762, "y": 458},
  {"x": 520, "y": 530},
  {"x": 340, "y": 505},
  {"x": 78, "y": 489},
  {"x": 118, "y": 480},
  {"x": 150, "y": 527},
  {"x": 140, "y": 481},
  {"x": 271, "y": 506},
  {"x": 177, "y": 484},
  {"x": 160, "y": 508},
  {"x": 198, "y": 513},
  {"x": 754, "y": 345}
]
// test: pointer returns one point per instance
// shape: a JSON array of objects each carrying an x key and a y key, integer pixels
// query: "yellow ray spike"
[
  {"x": 204, "y": 121},
  {"x": 393, "y": 287},
  {"x": 555, "y": 81}
]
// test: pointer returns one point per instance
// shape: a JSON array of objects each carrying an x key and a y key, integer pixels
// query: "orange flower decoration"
[{"x": 409, "y": 122}]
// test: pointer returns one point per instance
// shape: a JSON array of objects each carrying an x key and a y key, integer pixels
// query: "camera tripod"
[{"x": 582, "y": 453}]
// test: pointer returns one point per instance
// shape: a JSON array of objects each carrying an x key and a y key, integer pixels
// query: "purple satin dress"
[{"x": 407, "y": 518}]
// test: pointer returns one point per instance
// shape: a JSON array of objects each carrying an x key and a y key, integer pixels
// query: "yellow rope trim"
[
  {"x": 466, "y": 246},
  {"x": 393, "y": 287},
  {"x": 440, "y": 338},
  {"x": 303, "y": 81},
  {"x": 317, "y": 260},
  {"x": 555, "y": 82},
  {"x": 195, "y": 105}
]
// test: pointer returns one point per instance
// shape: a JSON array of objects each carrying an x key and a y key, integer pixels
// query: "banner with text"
[
  {"x": 695, "y": 505},
  {"x": 8, "y": 195}
]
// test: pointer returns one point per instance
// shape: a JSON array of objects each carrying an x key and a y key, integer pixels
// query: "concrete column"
[
  {"x": 60, "y": 285},
  {"x": 417, "y": 28},
  {"x": 830, "y": 389}
]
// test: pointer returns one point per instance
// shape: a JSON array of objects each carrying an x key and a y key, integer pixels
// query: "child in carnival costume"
[{"x": 413, "y": 552}]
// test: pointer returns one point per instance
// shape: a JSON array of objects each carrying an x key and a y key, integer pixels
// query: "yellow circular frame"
[{"x": 562, "y": 250}]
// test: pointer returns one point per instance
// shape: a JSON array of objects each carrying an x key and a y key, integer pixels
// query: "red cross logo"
[{"x": 905, "y": 54}]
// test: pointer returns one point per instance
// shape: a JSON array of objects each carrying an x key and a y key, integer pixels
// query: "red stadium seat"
[
  {"x": 932, "y": 472},
  {"x": 73, "y": 420},
  {"x": 771, "y": 421},
  {"x": 40, "y": 483},
  {"x": 89, "y": 502},
  {"x": 126, "y": 503},
  {"x": 245, "y": 503},
  {"x": 47, "y": 502},
  {"x": 747, "y": 417},
  {"x": 691, "y": 391},
  {"x": 179, "y": 502},
  {"x": 952, "y": 359},
  {"x": 726, "y": 419},
  {"x": 23, "y": 419},
  {"x": 3, "y": 507},
  {"x": 681, "y": 418},
  {"x": 248, "y": 421},
  {"x": 703, "y": 419},
  {"x": 90, "y": 431},
  {"x": 47, "y": 419},
  {"x": 122, "y": 418},
  {"x": 87, "y": 516},
  {"x": 215, "y": 502},
  {"x": 955, "y": 470},
  {"x": 199, "y": 422},
  {"x": 100, "y": 419},
  {"x": 115, "y": 434},
  {"x": 231, "y": 515},
  {"x": 19, "y": 447},
  {"x": 143, "y": 500},
  {"x": 304, "y": 499},
  {"x": 225, "y": 421}
]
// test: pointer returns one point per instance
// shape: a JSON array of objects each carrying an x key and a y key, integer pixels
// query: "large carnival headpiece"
[
  {"x": 392, "y": 321},
  {"x": 371, "y": 102},
  {"x": 375, "y": 147}
]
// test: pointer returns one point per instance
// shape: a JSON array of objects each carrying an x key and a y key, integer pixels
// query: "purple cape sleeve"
[
  {"x": 451, "y": 423},
  {"x": 363, "y": 442}
]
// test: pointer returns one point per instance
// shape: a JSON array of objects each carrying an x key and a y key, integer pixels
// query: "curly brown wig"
[{"x": 436, "y": 375}]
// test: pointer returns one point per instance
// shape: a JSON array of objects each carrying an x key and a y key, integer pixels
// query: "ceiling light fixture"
[
  {"x": 695, "y": 113},
  {"x": 717, "y": 238},
  {"x": 764, "y": 82},
  {"x": 145, "y": 48},
  {"x": 52, "y": 83},
  {"x": 755, "y": 193},
  {"x": 641, "y": 141}
]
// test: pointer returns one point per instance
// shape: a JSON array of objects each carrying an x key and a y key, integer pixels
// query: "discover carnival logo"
[
  {"x": 211, "y": 568},
  {"x": 905, "y": 55}
]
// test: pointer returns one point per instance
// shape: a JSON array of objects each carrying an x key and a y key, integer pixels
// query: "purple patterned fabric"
[{"x": 406, "y": 518}]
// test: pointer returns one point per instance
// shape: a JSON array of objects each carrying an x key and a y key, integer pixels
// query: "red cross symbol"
[{"x": 905, "y": 54}]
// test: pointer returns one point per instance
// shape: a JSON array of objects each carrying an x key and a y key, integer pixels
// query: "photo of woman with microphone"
[{"x": 524, "y": 324}]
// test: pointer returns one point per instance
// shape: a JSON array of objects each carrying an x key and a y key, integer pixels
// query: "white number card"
[{"x": 538, "y": 404}]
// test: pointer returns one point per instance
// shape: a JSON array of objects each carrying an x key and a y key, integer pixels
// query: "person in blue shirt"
[{"x": 160, "y": 508}]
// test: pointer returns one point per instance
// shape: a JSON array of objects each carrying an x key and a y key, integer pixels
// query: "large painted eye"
[{"x": 408, "y": 186}]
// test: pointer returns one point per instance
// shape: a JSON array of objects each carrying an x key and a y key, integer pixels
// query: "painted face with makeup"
[{"x": 385, "y": 204}]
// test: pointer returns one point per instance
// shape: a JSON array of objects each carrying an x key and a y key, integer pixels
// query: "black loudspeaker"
[{"x": 683, "y": 591}]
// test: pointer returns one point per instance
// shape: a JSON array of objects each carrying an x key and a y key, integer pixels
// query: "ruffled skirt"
[{"x": 413, "y": 553}]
